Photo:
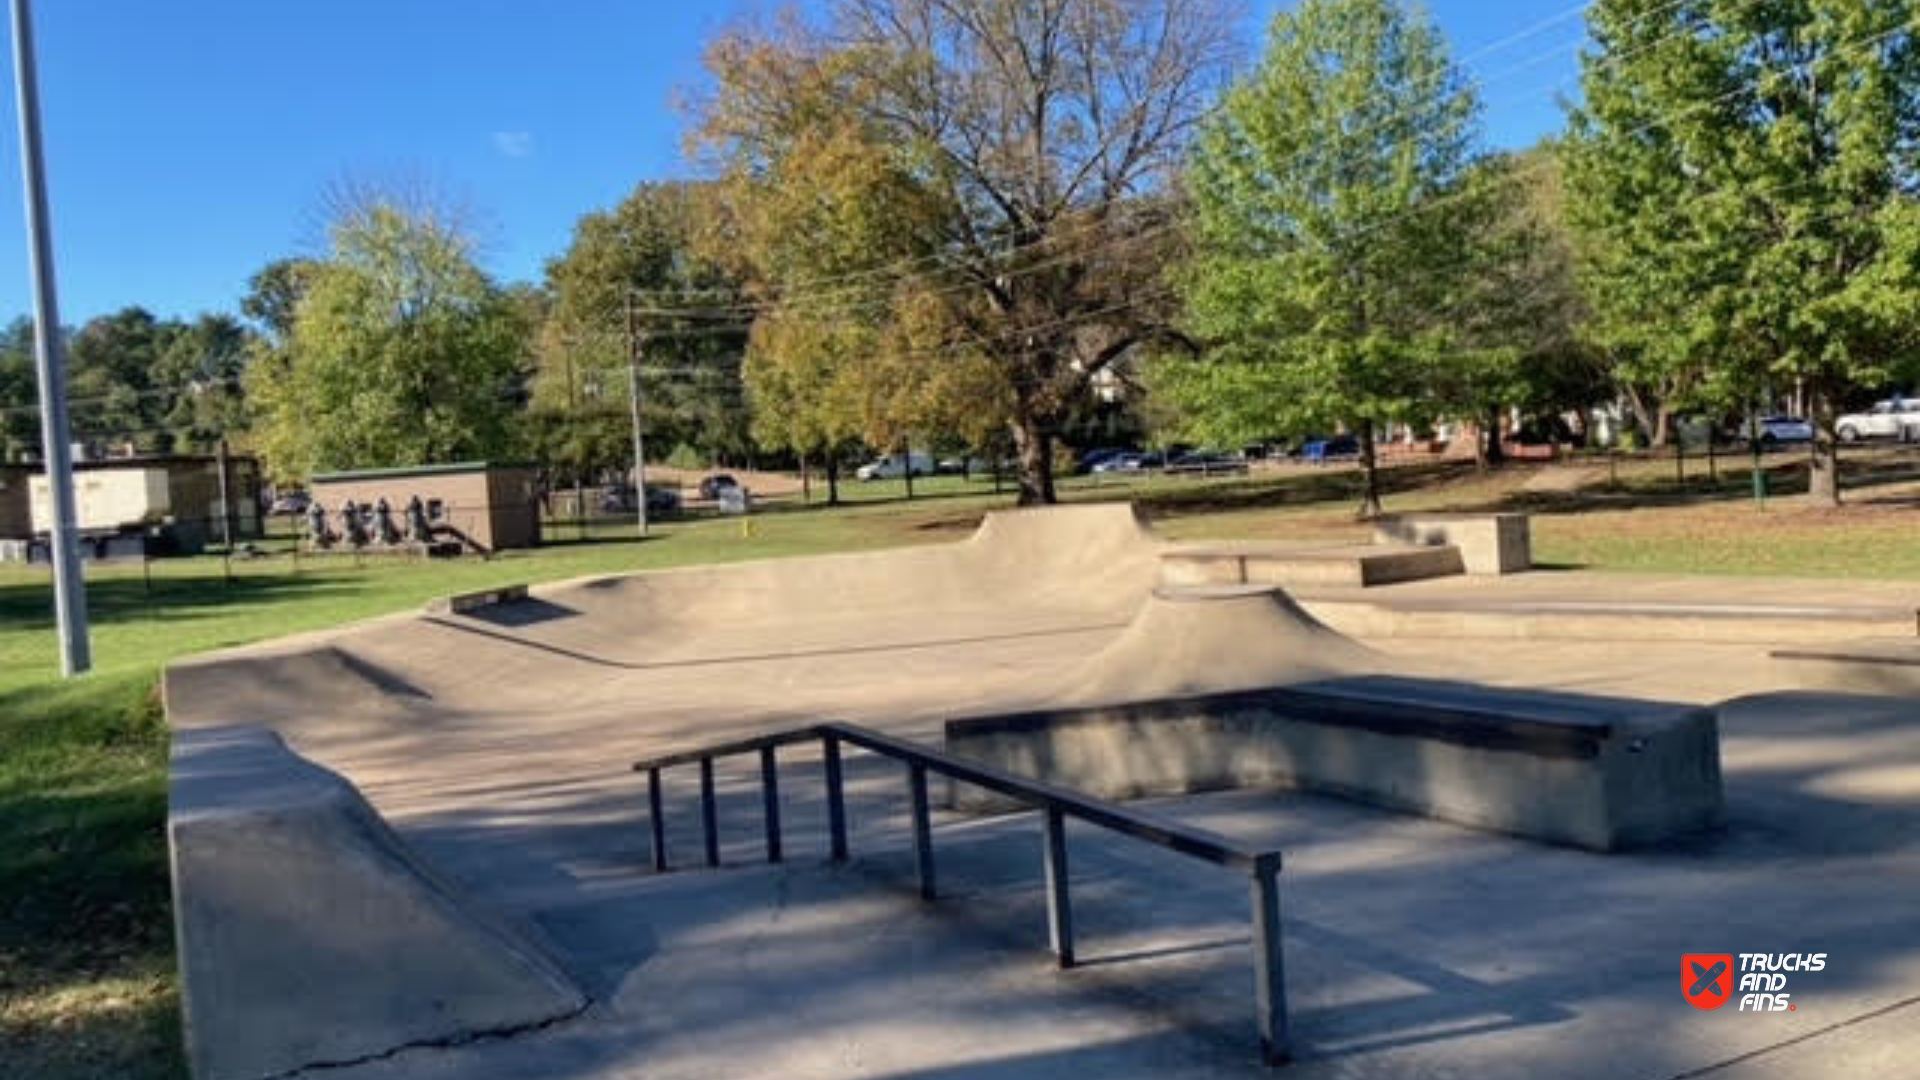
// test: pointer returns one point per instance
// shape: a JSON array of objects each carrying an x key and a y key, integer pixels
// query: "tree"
[
  {"x": 646, "y": 248},
  {"x": 401, "y": 351},
  {"x": 1743, "y": 179},
  {"x": 115, "y": 379},
  {"x": 273, "y": 296},
  {"x": 1520, "y": 314},
  {"x": 983, "y": 179},
  {"x": 1334, "y": 217},
  {"x": 19, "y": 393},
  {"x": 205, "y": 364}
]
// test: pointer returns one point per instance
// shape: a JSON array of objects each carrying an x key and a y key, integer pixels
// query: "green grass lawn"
[{"x": 87, "y": 983}]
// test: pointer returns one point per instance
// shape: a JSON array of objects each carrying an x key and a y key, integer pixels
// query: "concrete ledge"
[
  {"x": 1591, "y": 772},
  {"x": 1354, "y": 565},
  {"x": 310, "y": 935},
  {"x": 1488, "y": 543},
  {"x": 461, "y": 603}
]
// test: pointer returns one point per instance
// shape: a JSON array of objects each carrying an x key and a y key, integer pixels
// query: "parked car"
[
  {"x": 1206, "y": 462},
  {"x": 1132, "y": 461},
  {"x": 1317, "y": 451},
  {"x": 661, "y": 499},
  {"x": 291, "y": 503},
  {"x": 1773, "y": 430},
  {"x": 1889, "y": 419},
  {"x": 959, "y": 466},
  {"x": 712, "y": 486},
  {"x": 895, "y": 466},
  {"x": 1091, "y": 460}
]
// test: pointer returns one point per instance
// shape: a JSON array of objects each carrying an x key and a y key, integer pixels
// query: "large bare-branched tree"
[{"x": 982, "y": 183}]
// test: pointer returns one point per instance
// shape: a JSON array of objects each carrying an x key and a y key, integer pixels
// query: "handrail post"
[
  {"x": 659, "y": 822},
  {"x": 1269, "y": 972},
  {"x": 922, "y": 827},
  {"x": 770, "y": 796},
  {"x": 836, "y": 798},
  {"x": 709, "y": 812},
  {"x": 1059, "y": 907}
]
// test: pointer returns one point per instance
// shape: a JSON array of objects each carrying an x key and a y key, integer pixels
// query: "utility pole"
[
  {"x": 69, "y": 589},
  {"x": 580, "y": 459},
  {"x": 226, "y": 518},
  {"x": 636, "y": 345}
]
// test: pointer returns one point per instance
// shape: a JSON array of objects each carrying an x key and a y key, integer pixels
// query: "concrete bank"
[{"x": 309, "y": 934}]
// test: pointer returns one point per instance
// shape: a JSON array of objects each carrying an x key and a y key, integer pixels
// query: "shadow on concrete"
[
  {"x": 526, "y": 611},
  {"x": 748, "y": 658},
  {"x": 1414, "y": 948}
]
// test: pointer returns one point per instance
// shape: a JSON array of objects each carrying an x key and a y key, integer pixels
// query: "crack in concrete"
[
  {"x": 465, "y": 1038},
  {"x": 1807, "y": 1036}
]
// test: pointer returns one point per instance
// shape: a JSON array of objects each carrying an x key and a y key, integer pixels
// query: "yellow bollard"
[{"x": 746, "y": 528}]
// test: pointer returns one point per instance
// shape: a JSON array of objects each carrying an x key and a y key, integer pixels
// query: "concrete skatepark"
[{"x": 495, "y": 744}]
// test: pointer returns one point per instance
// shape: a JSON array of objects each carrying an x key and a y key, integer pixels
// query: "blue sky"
[{"x": 188, "y": 143}]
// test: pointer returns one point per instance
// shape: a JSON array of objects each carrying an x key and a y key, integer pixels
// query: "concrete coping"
[{"x": 1546, "y": 723}]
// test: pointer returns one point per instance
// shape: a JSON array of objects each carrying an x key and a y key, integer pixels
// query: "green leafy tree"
[
  {"x": 272, "y": 300},
  {"x": 982, "y": 184},
  {"x": 1334, "y": 219},
  {"x": 646, "y": 248},
  {"x": 19, "y": 393},
  {"x": 116, "y": 382},
  {"x": 1519, "y": 315},
  {"x": 204, "y": 365},
  {"x": 401, "y": 351},
  {"x": 1742, "y": 176}
]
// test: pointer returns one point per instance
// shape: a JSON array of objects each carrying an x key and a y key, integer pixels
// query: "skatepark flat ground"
[{"x": 497, "y": 744}]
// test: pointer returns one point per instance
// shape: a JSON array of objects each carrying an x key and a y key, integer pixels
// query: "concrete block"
[
  {"x": 1488, "y": 543},
  {"x": 461, "y": 603},
  {"x": 309, "y": 934},
  {"x": 1350, "y": 565},
  {"x": 1590, "y": 772}
]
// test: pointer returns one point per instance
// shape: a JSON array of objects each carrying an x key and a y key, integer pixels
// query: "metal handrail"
[{"x": 1056, "y": 805}]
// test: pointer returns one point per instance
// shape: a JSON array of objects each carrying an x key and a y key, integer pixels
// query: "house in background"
[{"x": 486, "y": 505}]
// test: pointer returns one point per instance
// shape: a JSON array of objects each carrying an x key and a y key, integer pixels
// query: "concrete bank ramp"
[
  {"x": 1035, "y": 572},
  {"x": 1208, "y": 638},
  {"x": 309, "y": 934},
  {"x": 1096, "y": 555}
]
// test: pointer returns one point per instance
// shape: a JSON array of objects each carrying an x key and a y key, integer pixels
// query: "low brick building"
[{"x": 486, "y": 505}]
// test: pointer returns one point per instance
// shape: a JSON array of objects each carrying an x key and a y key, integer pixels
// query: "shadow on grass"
[
  {"x": 130, "y": 597},
  {"x": 86, "y": 939}
]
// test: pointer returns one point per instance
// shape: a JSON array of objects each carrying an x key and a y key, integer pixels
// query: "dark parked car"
[
  {"x": 712, "y": 486},
  {"x": 1316, "y": 451},
  {"x": 1206, "y": 462},
  {"x": 661, "y": 499}
]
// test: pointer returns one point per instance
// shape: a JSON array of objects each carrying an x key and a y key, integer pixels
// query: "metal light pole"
[{"x": 69, "y": 590}]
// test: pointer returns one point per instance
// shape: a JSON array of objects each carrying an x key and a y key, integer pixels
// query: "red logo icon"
[{"x": 1707, "y": 979}]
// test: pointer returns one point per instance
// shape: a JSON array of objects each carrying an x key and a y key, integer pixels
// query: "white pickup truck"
[{"x": 1895, "y": 418}]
